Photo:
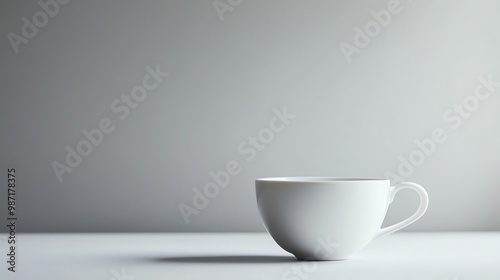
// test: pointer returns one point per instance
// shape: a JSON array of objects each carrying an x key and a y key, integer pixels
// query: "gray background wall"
[{"x": 226, "y": 76}]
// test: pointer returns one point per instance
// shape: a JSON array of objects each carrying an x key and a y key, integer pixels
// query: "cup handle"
[{"x": 424, "y": 202}]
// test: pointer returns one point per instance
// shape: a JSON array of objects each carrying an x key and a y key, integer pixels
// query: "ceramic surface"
[{"x": 329, "y": 218}]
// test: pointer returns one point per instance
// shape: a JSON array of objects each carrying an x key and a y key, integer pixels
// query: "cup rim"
[{"x": 315, "y": 179}]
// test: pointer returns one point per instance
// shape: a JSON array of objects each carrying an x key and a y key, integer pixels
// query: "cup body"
[{"x": 318, "y": 218}]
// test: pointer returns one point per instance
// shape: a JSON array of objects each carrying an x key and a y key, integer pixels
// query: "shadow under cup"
[{"x": 321, "y": 218}]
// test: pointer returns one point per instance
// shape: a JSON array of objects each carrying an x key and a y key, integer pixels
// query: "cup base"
[{"x": 306, "y": 259}]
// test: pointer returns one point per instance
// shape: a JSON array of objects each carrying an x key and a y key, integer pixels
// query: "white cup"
[{"x": 317, "y": 218}]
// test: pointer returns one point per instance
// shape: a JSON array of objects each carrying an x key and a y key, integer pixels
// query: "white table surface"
[{"x": 247, "y": 256}]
